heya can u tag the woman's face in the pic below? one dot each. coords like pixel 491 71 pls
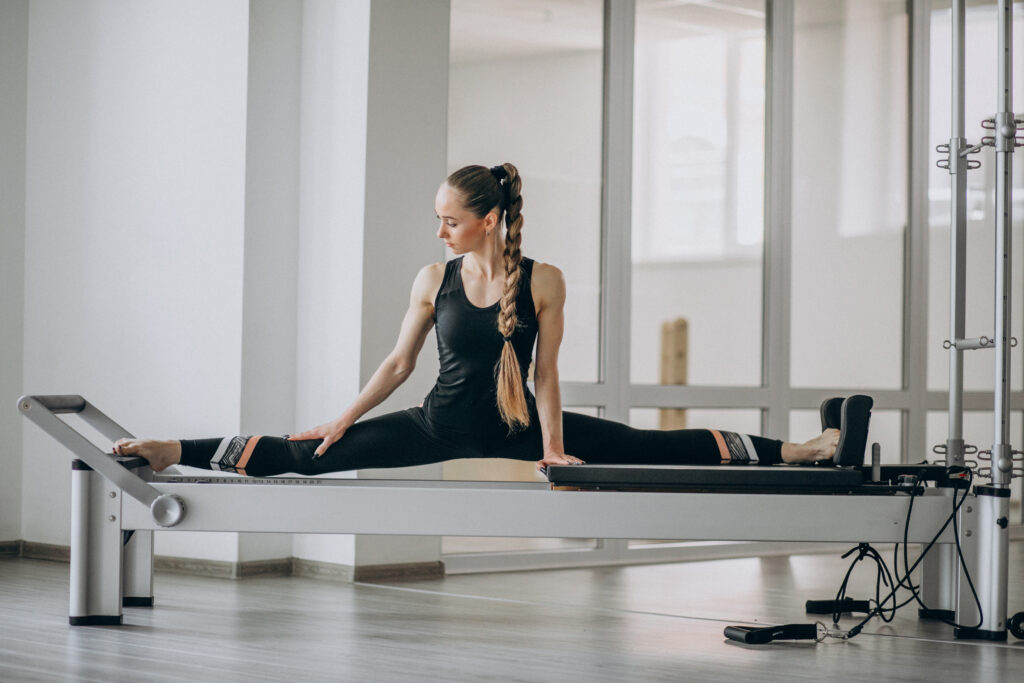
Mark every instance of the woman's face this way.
pixel 459 228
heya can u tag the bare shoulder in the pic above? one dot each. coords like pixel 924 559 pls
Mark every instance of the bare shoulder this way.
pixel 547 285
pixel 427 283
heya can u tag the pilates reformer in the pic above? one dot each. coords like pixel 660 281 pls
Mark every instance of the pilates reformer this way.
pixel 118 502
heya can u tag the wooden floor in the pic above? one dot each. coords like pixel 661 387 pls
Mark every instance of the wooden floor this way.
pixel 643 623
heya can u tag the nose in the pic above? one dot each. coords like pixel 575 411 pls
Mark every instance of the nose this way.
pixel 442 233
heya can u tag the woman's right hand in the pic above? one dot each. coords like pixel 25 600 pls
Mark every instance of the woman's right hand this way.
pixel 330 432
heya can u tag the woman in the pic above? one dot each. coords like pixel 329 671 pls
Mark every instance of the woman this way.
pixel 489 306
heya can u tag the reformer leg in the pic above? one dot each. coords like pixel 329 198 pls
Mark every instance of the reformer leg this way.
pixel 938 582
pixel 137 570
pixel 984 538
pixel 96 548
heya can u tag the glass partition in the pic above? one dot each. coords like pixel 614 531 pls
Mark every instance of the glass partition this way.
pixel 698 190
pixel 849 192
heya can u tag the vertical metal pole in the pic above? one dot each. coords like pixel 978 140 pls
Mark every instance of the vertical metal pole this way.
pixel 1005 132
pixel 616 205
pixel 776 313
pixel 984 519
pixel 957 244
pixel 917 237
pixel 616 221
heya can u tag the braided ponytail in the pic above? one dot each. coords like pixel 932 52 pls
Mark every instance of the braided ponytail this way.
pixel 482 191
pixel 511 398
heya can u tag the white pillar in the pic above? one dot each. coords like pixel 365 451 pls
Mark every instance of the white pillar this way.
pixel 406 158
pixel 334 59
pixel 270 278
pixel 373 123
pixel 13 69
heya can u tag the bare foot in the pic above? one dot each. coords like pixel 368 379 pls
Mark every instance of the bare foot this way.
pixel 821 447
pixel 159 454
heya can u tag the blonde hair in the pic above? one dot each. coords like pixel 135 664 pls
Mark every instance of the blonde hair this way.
pixel 484 190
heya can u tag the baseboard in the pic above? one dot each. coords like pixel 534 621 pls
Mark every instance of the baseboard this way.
pixel 10 548
pixel 312 569
pixel 283 566
pixel 45 551
pixel 217 569
pixel 408 571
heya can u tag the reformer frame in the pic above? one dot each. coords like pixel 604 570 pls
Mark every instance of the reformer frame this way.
pixel 118 502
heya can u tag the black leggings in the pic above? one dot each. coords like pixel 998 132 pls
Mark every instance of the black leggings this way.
pixel 405 438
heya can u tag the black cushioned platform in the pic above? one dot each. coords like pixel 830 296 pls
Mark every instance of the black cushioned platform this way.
pixel 711 477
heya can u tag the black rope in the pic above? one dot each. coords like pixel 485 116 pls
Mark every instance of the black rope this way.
pixel 904 581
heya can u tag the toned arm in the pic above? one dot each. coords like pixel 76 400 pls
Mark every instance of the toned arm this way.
pixel 398 365
pixel 549 298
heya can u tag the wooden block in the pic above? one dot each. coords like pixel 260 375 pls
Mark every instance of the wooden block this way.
pixel 674 362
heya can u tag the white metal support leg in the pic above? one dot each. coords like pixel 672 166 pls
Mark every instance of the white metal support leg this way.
pixel 137 566
pixel 137 570
pixel 96 548
pixel 939 576
pixel 984 519
pixel 938 582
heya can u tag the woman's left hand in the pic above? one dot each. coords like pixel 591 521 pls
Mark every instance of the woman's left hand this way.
pixel 556 458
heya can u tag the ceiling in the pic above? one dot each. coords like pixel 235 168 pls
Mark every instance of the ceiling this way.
pixel 499 29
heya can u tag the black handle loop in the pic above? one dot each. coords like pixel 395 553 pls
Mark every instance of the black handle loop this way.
pixel 759 635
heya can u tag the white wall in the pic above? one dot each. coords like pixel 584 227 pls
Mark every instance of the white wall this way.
pixel 135 171
pixel 13 70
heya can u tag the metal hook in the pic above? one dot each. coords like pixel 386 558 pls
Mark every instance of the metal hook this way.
pixel 826 632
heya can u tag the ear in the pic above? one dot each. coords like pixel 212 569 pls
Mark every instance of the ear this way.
pixel 491 220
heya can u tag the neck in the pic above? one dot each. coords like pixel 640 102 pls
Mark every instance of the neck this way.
pixel 489 257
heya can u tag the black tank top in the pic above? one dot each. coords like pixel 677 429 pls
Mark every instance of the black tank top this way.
pixel 463 402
